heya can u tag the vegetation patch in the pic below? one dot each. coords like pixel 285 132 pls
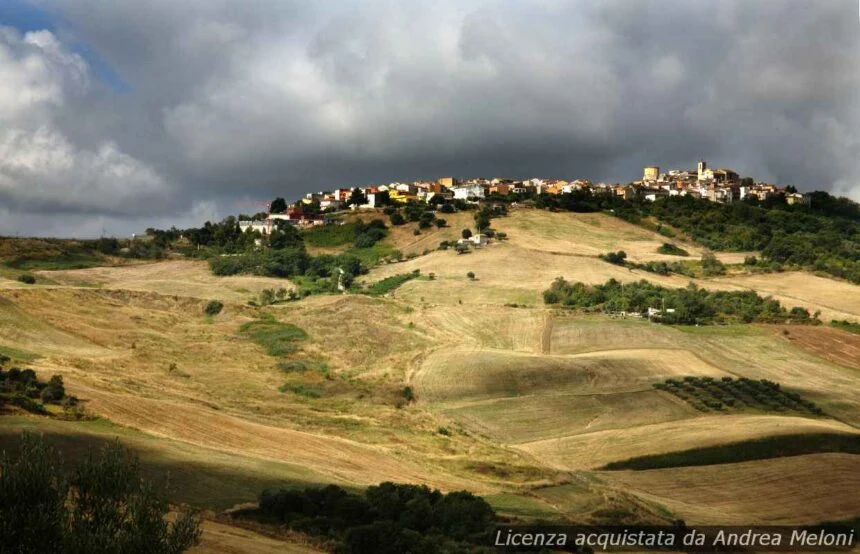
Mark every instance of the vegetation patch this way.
pixel 672 250
pixel 102 505
pixel 278 338
pixel 388 284
pixel 744 451
pixel 362 235
pixel 690 305
pixel 385 518
pixel 213 307
pixel 845 325
pixel 302 390
pixel 728 395
pixel 22 388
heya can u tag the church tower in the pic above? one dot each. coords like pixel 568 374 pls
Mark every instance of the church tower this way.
pixel 702 167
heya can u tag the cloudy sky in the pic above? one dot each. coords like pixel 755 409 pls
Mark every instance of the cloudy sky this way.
pixel 116 116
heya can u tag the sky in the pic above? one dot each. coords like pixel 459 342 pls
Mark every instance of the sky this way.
pixel 118 116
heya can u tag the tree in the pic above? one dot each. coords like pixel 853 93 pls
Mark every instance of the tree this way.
pixel 471 275
pixel 397 219
pixel 278 206
pixel 466 234
pixel 482 220
pixel 213 307
pixel 357 198
pixel 104 506
pixel 440 223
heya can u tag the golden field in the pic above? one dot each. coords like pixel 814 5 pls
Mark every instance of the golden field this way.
pixel 532 400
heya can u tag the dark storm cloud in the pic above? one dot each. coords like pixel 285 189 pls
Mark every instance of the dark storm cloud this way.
pixel 226 103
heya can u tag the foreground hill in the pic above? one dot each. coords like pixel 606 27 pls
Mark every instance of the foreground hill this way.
pixel 507 398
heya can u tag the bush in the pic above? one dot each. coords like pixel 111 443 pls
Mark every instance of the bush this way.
pixel 397 219
pixel 672 250
pixel 26 278
pixel 471 275
pixel 466 233
pixel 617 258
pixel 213 307
pixel 112 508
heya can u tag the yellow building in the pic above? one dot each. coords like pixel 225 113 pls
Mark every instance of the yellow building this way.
pixel 651 173
pixel 446 181
pixel 401 197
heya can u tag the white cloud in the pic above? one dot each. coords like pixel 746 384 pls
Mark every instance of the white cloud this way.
pixel 40 167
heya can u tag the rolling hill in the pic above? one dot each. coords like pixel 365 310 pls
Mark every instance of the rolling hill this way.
pixel 509 398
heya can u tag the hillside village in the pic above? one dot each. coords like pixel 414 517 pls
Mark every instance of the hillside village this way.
pixel 716 185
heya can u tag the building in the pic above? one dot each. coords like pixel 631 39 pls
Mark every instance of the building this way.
pixel 651 173
pixel 448 182
pixel 464 193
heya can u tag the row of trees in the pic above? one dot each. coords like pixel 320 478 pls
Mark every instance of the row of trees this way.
pixel 388 518
pixel 691 305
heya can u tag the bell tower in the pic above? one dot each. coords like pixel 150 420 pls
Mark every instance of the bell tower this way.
pixel 702 167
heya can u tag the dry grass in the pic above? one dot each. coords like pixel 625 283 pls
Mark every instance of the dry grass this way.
pixel 797 490
pixel 584 450
pixel 186 278
pixel 835 299
pixel 228 539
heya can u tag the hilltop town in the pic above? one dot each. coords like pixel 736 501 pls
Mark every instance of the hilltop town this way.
pixel 716 185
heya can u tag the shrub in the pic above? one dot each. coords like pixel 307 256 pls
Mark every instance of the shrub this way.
pixel 471 275
pixel 466 233
pixel 672 250
pixel 213 307
pixel 27 278
pixel 112 508
pixel 617 258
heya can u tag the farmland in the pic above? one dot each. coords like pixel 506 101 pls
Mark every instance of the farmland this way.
pixel 509 398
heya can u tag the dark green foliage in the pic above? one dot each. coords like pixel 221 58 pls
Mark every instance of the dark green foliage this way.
pixel 102 506
pixel 408 394
pixel 850 326
pixel 466 233
pixel 21 388
pixel 397 218
pixel 617 258
pixel 329 236
pixel 276 337
pixel 756 449
pixel 356 198
pixel 302 390
pixel 824 236
pixel 711 266
pixel 471 275
pixel 27 278
pixel 729 395
pixel 213 307
pixel 388 284
pixel 278 206
pixel 672 250
pixel 385 518
pixel 691 304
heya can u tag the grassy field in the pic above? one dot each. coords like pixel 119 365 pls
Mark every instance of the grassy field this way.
pixel 759 449
pixel 781 491
pixel 531 400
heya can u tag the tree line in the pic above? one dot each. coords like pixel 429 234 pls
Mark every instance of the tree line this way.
pixel 387 518
pixel 686 305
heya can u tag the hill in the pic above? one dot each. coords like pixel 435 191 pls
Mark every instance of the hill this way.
pixel 452 381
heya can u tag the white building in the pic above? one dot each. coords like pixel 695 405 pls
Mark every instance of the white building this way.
pixel 464 193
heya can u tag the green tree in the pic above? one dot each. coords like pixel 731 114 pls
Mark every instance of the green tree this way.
pixel 278 206
pixel 466 234
pixel 357 198
pixel 105 506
